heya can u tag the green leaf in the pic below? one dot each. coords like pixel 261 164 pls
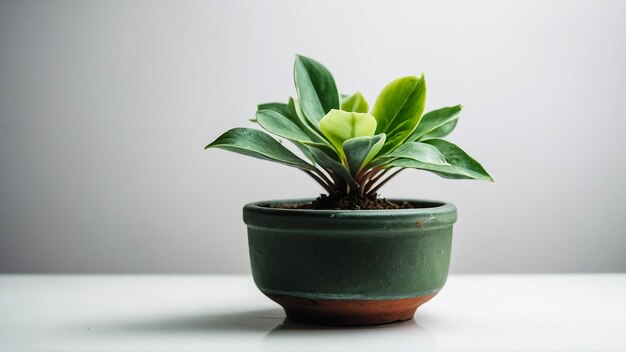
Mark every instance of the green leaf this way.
pixel 316 89
pixel 339 169
pixel 339 126
pixel 459 164
pixel 320 142
pixel 360 151
pixel 305 150
pixel 355 103
pixel 258 144
pixel 437 123
pixel 422 152
pixel 280 125
pixel 298 118
pixel 457 157
pixel 280 108
pixel 441 131
pixel 398 109
pixel 285 127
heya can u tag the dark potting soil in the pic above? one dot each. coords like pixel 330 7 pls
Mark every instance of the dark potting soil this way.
pixel 349 202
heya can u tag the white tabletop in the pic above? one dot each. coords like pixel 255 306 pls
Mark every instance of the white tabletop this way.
pixel 227 313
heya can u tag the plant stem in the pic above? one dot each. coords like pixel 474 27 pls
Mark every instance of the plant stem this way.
pixel 379 173
pixel 325 178
pixel 377 187
pixel 363 178
pixel 339 185
pixel 319 180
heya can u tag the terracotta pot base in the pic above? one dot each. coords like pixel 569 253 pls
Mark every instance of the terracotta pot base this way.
pixel 349 312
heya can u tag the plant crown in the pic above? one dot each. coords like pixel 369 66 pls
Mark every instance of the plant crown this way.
pixel 349 148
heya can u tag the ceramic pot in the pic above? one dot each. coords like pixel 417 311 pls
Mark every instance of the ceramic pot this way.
pixel 350 267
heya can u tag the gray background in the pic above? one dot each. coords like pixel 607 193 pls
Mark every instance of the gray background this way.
pixel 105 107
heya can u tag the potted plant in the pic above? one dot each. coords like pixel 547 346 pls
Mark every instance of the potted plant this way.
pixel 350 257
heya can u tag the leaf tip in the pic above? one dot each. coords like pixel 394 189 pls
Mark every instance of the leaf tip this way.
pixel 300 58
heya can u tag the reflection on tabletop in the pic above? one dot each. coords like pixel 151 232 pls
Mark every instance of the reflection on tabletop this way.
pixel 275 332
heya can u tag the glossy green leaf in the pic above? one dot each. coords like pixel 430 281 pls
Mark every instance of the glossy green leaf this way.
pixel 280 108
pixel 339 126
pixel 398 109
pixel 441 131
pixel 328 149
pixel 306 150
pixel 280 125
pixel 336 167
pixel 437 123
pixel 258 144
pixel 459 164
pixel 316 89
pixel 312 131
pixel 356 102
pixel 422 152
pixel 320 142
pixel 360 151
pixel 457 157
pixel 287 127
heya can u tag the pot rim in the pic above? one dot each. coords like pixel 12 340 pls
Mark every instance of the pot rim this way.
pixel 428 206
pixel 431 207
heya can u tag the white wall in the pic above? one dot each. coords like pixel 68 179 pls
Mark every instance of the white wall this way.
pixel 105 108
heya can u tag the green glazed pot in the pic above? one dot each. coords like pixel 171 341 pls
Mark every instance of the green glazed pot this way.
pixel 350 267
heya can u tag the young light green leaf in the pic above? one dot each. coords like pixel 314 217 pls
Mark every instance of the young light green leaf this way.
pixel 360 151
pixel 436 123
pixel 355 103
pixel 339 126
pixel 316 89
pixel 258 144
pixel 280 125
pixel 422 152
pixel 336 167
pixel 398 109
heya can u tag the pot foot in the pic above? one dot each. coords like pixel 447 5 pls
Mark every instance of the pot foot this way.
pixel 349 312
